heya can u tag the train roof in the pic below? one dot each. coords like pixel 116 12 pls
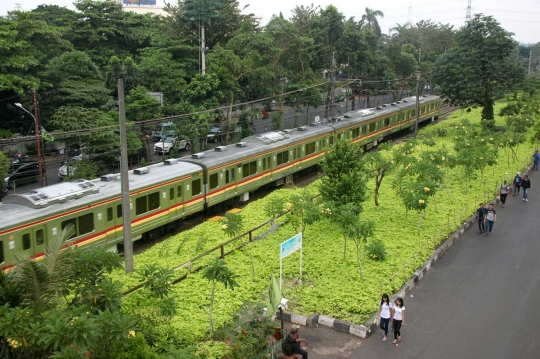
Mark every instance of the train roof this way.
pixel 254 145
pixel 69 195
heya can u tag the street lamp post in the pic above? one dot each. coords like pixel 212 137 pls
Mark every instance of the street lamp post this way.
pixel 37 134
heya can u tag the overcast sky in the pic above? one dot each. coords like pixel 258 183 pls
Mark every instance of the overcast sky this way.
pixel 522 17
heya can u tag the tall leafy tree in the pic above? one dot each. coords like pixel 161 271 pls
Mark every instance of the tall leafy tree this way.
pixel 481 66
pixel 344 180
pixel 76 81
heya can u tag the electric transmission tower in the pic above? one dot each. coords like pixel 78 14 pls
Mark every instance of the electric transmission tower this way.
pixel 18 6
pixel 468 16
pixel 409 17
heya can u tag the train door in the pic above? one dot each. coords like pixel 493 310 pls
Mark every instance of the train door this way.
pixel 113 221
pixel 39 240
pixel 231 176
pixel 178 201
pixel 24 246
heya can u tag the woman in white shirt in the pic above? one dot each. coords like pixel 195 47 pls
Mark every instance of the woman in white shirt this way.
pixel 385 314
pixel 399 319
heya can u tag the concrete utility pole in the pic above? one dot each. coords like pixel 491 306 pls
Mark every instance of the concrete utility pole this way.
pixel 203 51
pixel 530 61
pixel 38 139
pixel 333 85
pixel 417 94
pixel 126 202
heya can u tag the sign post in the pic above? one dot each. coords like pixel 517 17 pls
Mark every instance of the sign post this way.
pixel 286 248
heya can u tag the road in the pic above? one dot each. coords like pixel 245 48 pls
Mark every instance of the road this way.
pixel 479 301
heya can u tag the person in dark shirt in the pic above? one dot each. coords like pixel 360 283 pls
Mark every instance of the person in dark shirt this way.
pixel 517 182
pixel 480 214
pixel 526 184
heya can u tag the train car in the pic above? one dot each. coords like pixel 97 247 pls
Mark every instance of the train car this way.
pixel 160 195
pixel 163 194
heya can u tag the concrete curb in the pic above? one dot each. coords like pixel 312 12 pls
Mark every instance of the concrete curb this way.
pixel 363 331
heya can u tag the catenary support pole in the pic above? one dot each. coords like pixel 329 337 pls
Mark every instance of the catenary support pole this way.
pixel 417 101
pixel 38 140
pixel 203 51
pixel 126 203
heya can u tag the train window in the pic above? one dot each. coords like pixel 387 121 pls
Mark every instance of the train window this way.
pixel 141 205
pixel 86 224
pixel 310 148
pixel 264 164
pixel 249 169
pixel 213 180
pixel 372 127
pixel 356 132
pixel 227 176
pixel 179 192
pixel 72 223
pixel 171 194
pixel 331 140
pixel 119 211
pixel 232 174
pixel 40 238
pixel 26 241
pixel 282 157
pixel 153 201
pixel 196 187
pixel 1 252
pixel 387 122
pixel 81 225
pixel 109 214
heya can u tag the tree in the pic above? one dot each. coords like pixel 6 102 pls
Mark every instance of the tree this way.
pixel 369 21
pixel 218 272
pixel 140 105
pixel 75 81
pixel 360 231
pixel 379 163
pixel 344 178
pixel 481 66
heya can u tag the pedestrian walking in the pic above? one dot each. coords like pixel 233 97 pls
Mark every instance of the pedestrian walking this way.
pixel 503 192
pixel 480 215
pixel 384 314
pixel 399 319
pixel 526 184
pixel 490 219
pixel 536 159
pixel 517 182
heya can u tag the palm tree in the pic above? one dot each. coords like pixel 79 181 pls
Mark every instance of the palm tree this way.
pixel 398 30
pixel 39 283
pixel 369 21
pixel 218 272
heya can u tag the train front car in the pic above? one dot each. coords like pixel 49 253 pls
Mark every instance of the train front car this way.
pixel 161 195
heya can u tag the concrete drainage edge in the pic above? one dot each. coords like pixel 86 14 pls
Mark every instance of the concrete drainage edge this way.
pixel 361 330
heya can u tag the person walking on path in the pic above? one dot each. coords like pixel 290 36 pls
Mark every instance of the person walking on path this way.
pixel 517 182
pixel 480 215
pixel 399 319
pixel 385 314
pixel 503 192
pixel 490 219
pixel 293 342
pixel 536 159
pixel 526 184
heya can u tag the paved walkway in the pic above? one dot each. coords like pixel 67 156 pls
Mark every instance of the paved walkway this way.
pixel 481 300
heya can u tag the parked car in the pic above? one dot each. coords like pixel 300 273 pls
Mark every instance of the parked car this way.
pixel 166 145
pixel 215 134
pixel 23 172
pixel 68 167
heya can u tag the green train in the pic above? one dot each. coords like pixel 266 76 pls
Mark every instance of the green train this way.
pixel 161 195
